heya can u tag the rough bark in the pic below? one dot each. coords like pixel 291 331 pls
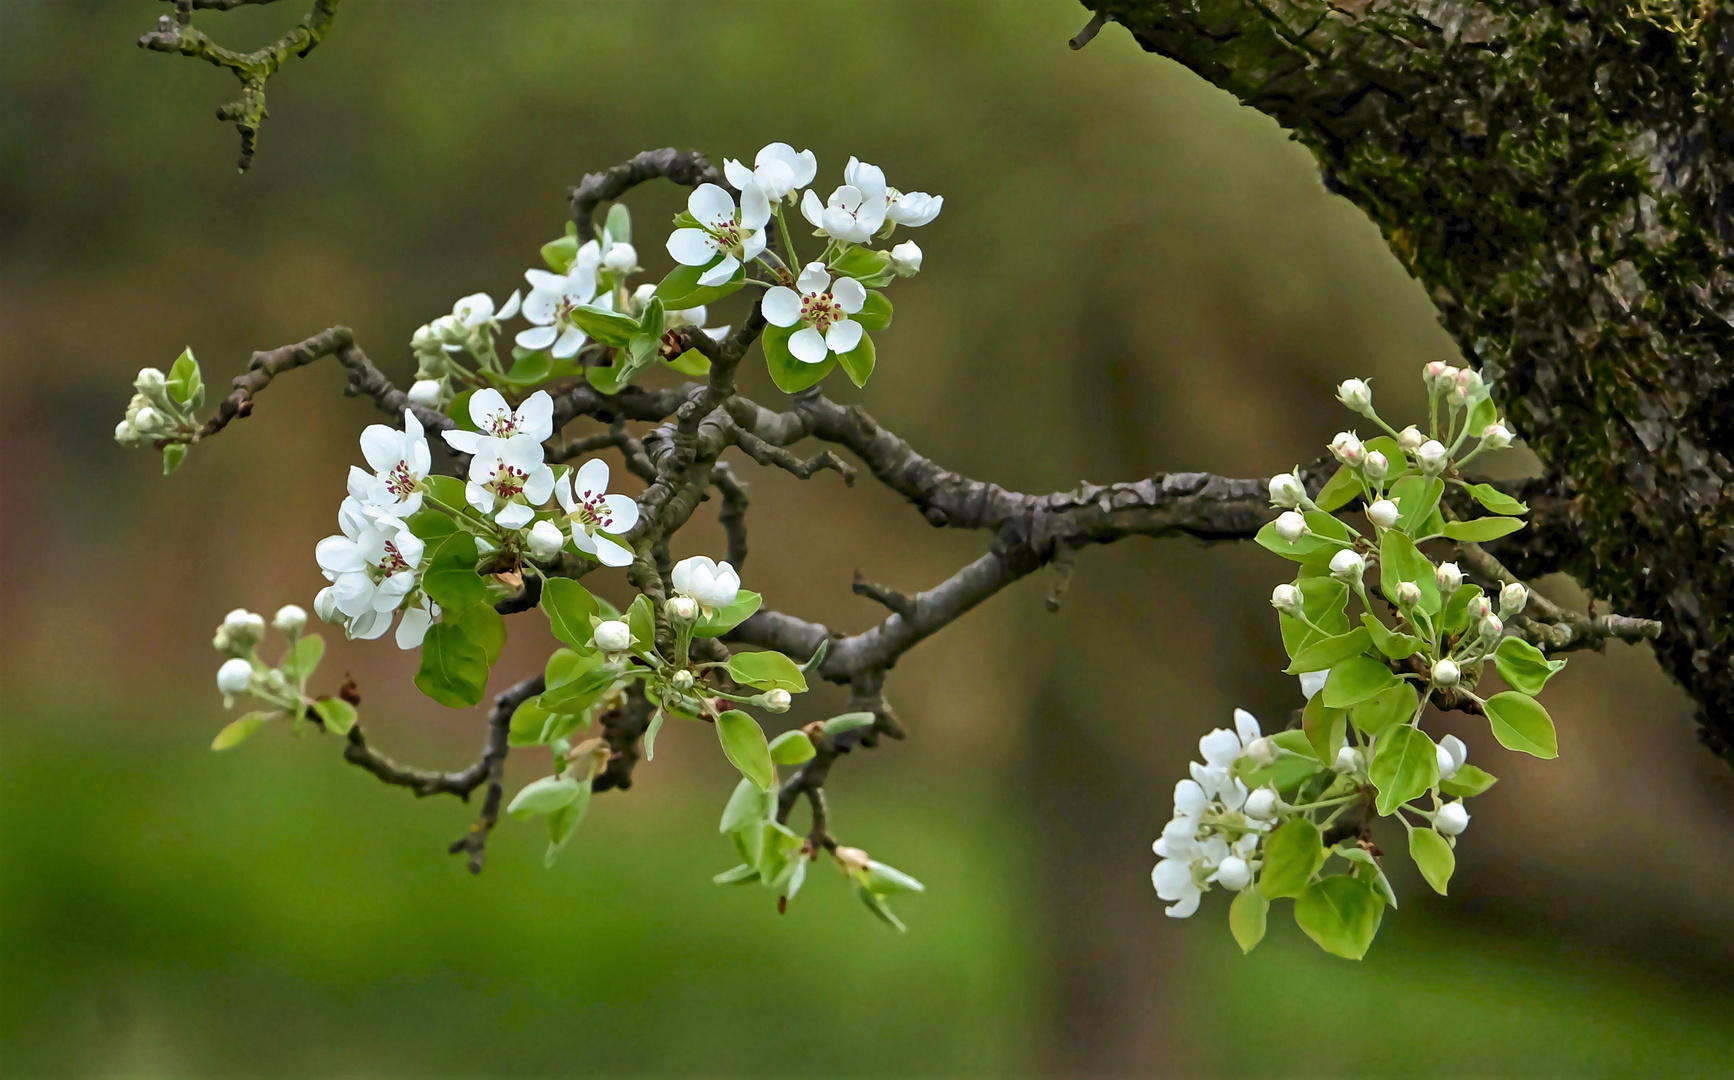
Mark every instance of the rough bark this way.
pixel 1561 178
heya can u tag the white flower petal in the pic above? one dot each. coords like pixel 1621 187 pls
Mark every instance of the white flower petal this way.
pixel 612 554
pixel 1246 726
pixel 1189 799
pixel 843 336
pixel 570 342
pixel 781 306
pixel 712 205
pixel 413 628
pixel 591 479
pixel 536 337
pixel 755 207
pixel 514 516
pixel 511 307
pixel 808 346
pixel 488 409
pixel 814 279
pixel 721 272
pixel 339 554
pixel 812 209
pixel 738 175
pixel 849 294
pixel 691 247
pixel 464 442
pixel 622 513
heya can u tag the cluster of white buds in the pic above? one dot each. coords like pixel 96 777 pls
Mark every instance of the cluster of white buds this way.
pixel 1214 835
pixel 154 413
pixel 240 633
pixel 1349 449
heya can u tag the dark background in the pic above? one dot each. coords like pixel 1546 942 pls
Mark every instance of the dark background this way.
pixel 1131 274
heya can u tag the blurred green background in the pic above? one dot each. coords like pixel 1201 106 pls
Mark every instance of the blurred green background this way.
pixel 1132 274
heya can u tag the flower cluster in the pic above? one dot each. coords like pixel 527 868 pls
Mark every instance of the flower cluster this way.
pixel 1264 815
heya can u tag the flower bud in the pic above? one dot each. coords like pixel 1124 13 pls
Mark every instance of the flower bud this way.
pixel 1479 608
pixel 425 392
pixel 1350 760
pixel 1383 513
pixel 425 339
pixel 906 259
pixel 681 680
pixel 245 629
pixel 127 435
pixel 290 620
pixel 1356 395
pixel 1408 594
pixel 1433 456
pixel 1445 673
pixel 545 541
pixel 1261 750
pixel 450 330
pixel 1262 804
pixel 1512 599
pixel 150 422
pixel 1451 819
pixel 1233 874
pixel 1285 598
pixel 1286 490
pixel 621 259
pixel 1433 372
pixel 681 608
pixel 151 381
pixel 1466 387
pixel 1348 566
pixel 1410 438
pixel 1291 526
pixel 1496 436
pixel 1348 449
pixel 613 636
pixel 1491 630
pixel 234 675
pixel 325 605
pixel 852 860
pixel 778 700
pixel 1376 465
pixel 1448 577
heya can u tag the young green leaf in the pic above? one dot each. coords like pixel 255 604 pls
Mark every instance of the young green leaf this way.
pixel 1389 642
pixel 451 580
pixel 641 620
pixel 792 748
pixel 1520 723
pixel 650 734
pixel 740 875
pixel 568 606
pixel 791 375
pixel 173 455
pixel 239 731
pixel 1323 600
pixel 303 658
pixel 1326 652
pixel 743 741
pixel 1393 705
pixel 875 314
pixel 618 224
pixel 1482 529
pixel 1355 680
pixel 1292 855
pixel 1341 914
pixel 1325 728
pixel 1495 500
pixel 1343 488
pixel 858 362
pixel 338 715
pixel 605 326
pixel 1247 917
pixel 1433 856
pixel 747 804
pixel 529 721
pixel 186 384
pixel 848 721
pixel 1416 497
pixel 1468 781
pixel 563 822
pixel 1405 765
pixel 767 671
pixel 1399 561
pixel 680 289
pixel 886 880
pixel 876 904
pixel 543 796
pixel 1455 618
pixel 722 620
pixel 560 254
pixel 431 525
pixel 1523 666
pixel 484 626
pixel 454 669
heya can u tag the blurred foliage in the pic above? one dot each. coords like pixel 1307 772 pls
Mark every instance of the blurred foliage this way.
pixel 1171 288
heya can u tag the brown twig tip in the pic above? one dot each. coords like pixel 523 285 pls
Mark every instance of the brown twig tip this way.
pixel 889 597
pixel 1088 33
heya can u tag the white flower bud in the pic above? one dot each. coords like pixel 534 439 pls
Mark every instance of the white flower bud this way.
pixel 245 629
pixel 1233 874
pixel 1291 526
pixel 1376 465
pixel 622 258
pixel 681 608
pixel 1410 438
pixel 1445 673
pixel 1348 449
pixel 425 392
pixel 613 636
pixel 1383 513
pixel 641 296
pixel 1433 456
pixel 778 700
pixel 1479 608
pixel 1512 599
pixel 1261 750
pixel 1348 566
pixel 234 675
pixel 1491 629
pixel 151 381
pixel 1285 598
pixel 425 339
pixel 126 434
pixel 149 422
pixel 1350 760
pixel 1467 387
pixel 1451 819
pixel 1286 490
pixel 290 620
pixel 545 541
pixel 450 329
pixel 906 259
pixel 325 605
pixel 1262 804
pixel 1355 394
pixel 1433 372
pixel 1408 594
pixel 1496 436
pixel 681 680
pixel 1448 577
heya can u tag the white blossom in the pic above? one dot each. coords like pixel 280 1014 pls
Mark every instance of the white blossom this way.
pixel 914 208
pixel 1233 874
pixel 1434 371
pixel 681 608
pixel 552 300
pixel 1350 760
pixel 613 636
pixel 724 235
pixel 425 392
pixel 477 310
pixel 778 700
pixel 1313 681
pixel 855 211
pixel 412 628
pixel 1479 608
pixel 1496 436
pixel 400 461
pixel 545 539
pixel 621 259
pixel 1445 673
pixel 822 309
pixel 371 567
pixel 1383 513
pixel 906 259
pixel 713 585
pixel 1452 755
pixel 777 170
pixel 1194 853
pixel 1285 598
pixel 1408 594
pixel 1291 525
pixel 591 512
pixel 1452 819
pixel 244 628
pixel 1376 465
pixel 234 676
pixel 508 478
pixel 325 605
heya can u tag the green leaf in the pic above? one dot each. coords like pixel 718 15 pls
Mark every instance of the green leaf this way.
pixel 641 620
pixel 848 721
pixel 1483 412
pixel 876 904
pixel 588 688
pixel 1327 652
pixel 566 666
pixel 791 375
pixel 654 320
pixel 605 379
pixel 778 846
pixel 1375 879
pixel 740 875
pixel 1394 454
pixel 338 715
pixel 1340 490
pixel 529 721
pixel 858 362
pixel 1247 917
pixel 484 626
pixel 562 823
pixel 1482 529
pixel 1399 561
pixel 303 657
pixel 1393 705
pixel 605 326
pixel 743 741
pixel 1455 618
pixel 561 254
pixel 767 671
pixel 1304 550
pixel 458 409
pixel 454 669
pixel 680 289
pixel 1523 666
pixel 236 732
pixel 186 383
pixel 431 525
pixel 451 580
pixel 1433 857
pixel 886 880
pixel 1389 642
pixel 792 748
pixel 1417 497
pixel 1495 500
pixel 1323 600
pixel 543 796
pixel 1520 723
pixel 1292 855
pixel 860 262
pixel 536 367
pixel 691 362
pixel 618 224
pixel 1469 781
pixel 650 734
pixel 569 606
pixel 748 804
pixel 875 314
pixel 1405 766
pixel 1325 728
pixel 722 620
pixel 173 455
pixel 637 357
pixel 1341 914
pixel 1355 680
